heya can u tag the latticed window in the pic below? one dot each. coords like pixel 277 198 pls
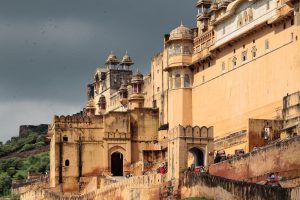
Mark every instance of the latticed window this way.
pixel 177 49
pixel 244 56
pixel 234 62
pixel 254 50
pixel 223 67
pixel 187 82
pixel 177 81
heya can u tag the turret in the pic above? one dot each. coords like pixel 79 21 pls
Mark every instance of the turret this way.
pixel 203 14
pixel 126 62
pixel 137 97
pixel 180 50
pixel 112 61
pixel 90 108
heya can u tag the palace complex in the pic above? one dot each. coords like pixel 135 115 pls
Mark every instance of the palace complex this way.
pixel 230 84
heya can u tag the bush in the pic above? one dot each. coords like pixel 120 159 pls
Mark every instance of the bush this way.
pixel 27 147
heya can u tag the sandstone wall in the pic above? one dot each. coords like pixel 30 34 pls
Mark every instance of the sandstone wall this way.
pixel 212 187
pixel 282 157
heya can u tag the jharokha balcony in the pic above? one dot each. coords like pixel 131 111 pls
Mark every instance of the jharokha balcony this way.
pixel 203 44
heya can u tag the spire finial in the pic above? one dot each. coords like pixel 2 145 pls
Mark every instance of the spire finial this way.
pixel 181 24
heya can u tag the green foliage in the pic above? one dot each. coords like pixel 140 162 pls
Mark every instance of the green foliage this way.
pixel 17 169
pixel 5 183
pixel 31 141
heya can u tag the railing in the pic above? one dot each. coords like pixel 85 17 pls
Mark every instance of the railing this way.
pixel 204 41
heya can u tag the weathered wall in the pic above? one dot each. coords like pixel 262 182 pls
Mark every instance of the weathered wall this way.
pixel 282 157
pixel 256 131
pixel 212 187
pixel 226 99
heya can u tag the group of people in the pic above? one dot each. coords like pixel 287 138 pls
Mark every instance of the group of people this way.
pixel 221 155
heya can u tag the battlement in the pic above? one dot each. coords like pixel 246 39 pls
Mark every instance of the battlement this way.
pixel 191 132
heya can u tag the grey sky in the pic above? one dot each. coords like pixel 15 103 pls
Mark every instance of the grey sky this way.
pixel 49 50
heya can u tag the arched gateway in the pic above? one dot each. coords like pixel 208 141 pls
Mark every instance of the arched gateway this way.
pixel 117 164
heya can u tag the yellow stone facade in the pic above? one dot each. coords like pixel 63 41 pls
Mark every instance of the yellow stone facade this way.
pixel 216 86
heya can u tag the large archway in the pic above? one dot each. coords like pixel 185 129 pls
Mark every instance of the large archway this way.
pixel 117 164
pixel 195 157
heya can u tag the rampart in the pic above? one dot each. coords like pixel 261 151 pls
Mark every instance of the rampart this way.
pixel 139 187
pixel 213 187
pixel 282 157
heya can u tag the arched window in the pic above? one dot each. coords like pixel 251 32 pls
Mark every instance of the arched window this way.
pixel 234 62
pixel 177 49
pixel 187 82
pixel 171 50
pixel 65 138
pixel 250 14
pixel 177 81
pixel 254 52
pixel 67 163
pixel 187 50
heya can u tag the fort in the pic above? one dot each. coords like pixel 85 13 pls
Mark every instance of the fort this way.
pixel 230 84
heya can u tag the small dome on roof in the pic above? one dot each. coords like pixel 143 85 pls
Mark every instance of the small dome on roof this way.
pixel 127 60
pixel 137 77
pixel 181 32
pixel 90 104
pixel 112 59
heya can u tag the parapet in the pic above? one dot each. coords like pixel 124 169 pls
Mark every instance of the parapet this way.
pixel 191 132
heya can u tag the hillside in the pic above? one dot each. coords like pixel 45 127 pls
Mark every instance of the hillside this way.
pixel 27 152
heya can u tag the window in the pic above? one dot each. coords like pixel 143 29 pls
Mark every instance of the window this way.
pixel 224 31
pixel 244 56
pixel 177 81
pixel 187 80
pixel 203 79
pixel 268 5
pixel 157 89
pixel 267 45
pixel 187 50
pixel 254 52
pixel 154 104
pixel 67 163
pixel 65 138
pixel 223 67
pixel 177 49
pixel 234 62
pixel 250 14
pixel 292 37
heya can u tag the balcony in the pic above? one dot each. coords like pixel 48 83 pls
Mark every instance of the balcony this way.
pixel 179 61
pixel 202 45
pixel 203 15
pixel 203 2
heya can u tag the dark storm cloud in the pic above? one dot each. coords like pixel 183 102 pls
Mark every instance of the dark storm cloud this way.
pixel 49 49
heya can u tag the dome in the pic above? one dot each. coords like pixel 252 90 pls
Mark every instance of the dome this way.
pixel 90 104
pixel 181 32
pixel 112 59
pixel 138 77
pixel 127 60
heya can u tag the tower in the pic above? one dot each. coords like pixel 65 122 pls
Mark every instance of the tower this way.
pixel 203 15
pixel 137 98
pixel 179 46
